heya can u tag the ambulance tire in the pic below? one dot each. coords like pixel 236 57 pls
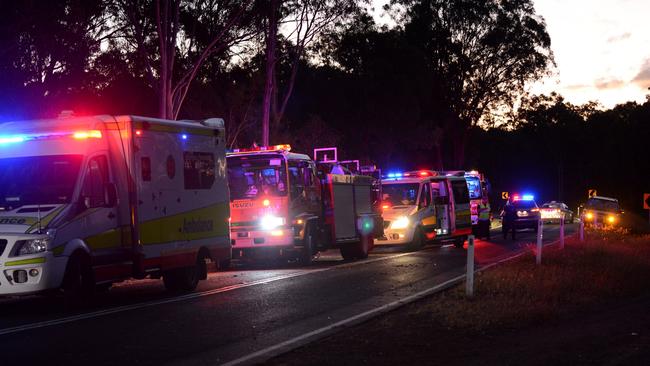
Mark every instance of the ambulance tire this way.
pixel 184 279
pixel 418 240
pixel 78 280
pixel 307 252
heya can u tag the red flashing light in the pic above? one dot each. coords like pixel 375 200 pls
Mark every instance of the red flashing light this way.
pixel 516 198
pixel 424 174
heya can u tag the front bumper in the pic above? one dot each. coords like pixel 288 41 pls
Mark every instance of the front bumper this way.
pixel 247 239
pixel 396 237
pixel 50 273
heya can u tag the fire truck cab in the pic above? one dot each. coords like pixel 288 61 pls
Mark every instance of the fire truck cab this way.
pixel 422 206
pixel 283 207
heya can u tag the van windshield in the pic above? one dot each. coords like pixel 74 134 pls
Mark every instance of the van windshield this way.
pixel 252 177
pixel 400 194
pixel 602 205
pixel 38 180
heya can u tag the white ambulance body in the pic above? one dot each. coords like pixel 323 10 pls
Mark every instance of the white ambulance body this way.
pixel 423 206
pixel 87 201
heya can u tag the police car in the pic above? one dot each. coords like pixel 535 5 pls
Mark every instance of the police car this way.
pixel 521 212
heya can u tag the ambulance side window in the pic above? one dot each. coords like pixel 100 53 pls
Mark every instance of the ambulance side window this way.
pixel 95 182
pixel 198 170
pixel 425 196
pixel 461 193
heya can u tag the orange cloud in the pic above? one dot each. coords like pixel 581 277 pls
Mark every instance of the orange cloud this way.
pixel 642 79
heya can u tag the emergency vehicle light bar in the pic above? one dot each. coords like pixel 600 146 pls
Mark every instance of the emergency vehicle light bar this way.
pixel 281 147
pixel 77 135
pixel 525 197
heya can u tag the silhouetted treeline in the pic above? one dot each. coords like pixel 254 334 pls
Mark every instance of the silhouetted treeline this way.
pixel 418 95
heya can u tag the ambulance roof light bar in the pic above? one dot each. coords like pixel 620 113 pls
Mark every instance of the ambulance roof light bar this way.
pixel 281 147
pixel 77 135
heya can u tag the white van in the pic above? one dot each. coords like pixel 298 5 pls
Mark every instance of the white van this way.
pixel 88 201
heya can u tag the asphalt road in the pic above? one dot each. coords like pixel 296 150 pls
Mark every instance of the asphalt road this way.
pixel 239 316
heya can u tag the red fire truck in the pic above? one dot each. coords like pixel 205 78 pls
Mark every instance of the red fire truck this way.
pixel 286 206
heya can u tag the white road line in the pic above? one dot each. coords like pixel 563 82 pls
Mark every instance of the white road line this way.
pixel 94 314
pixel 346 322
pixel 305 338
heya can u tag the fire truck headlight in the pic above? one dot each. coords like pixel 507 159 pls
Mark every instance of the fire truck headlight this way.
pixel 33 246
pixel 611 219
pixel 270 222
pixel 402 222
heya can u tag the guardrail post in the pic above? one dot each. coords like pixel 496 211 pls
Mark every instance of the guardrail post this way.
pixel 562 230
pixel 582 230
pixel 469 278
pixel 540 235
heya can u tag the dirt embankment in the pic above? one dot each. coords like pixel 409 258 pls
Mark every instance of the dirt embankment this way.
pixel 588 304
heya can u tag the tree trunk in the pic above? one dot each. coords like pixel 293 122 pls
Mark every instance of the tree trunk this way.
pixel 271 39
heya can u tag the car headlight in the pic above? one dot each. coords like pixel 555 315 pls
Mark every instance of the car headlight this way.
pixel 522 213
pixel 611 219
pixel 270 222
pixel 401 223
pixel 33 246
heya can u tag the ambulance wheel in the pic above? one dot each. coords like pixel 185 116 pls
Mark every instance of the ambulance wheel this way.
pixel 184 279
pixel 78 280
pixel 418 241
pixel 307 253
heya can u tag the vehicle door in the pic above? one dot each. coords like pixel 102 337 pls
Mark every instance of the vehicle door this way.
pixel 441 201
pixel 97 207
pixel 461 206
pixel 426 211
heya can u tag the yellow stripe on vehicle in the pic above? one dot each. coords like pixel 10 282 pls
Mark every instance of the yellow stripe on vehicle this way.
pixel 202 223
pixel 45 220
pixel 26 261
pixel 112 238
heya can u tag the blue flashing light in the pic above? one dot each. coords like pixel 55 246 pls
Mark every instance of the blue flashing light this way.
pixel 395 175
pixel 11 139
pixel 184 136
pixel 527 197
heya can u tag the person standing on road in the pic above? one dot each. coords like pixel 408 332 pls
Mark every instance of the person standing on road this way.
pixel 484 219
pixel 509 215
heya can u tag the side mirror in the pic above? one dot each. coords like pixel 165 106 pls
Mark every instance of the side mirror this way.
pixel 110 195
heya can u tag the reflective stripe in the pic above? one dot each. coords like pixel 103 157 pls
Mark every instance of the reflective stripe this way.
pixel 26 261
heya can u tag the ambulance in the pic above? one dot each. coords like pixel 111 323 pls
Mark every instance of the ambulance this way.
pixel 478 189
pixel 285 206
pixel 423 206
pixel 89 201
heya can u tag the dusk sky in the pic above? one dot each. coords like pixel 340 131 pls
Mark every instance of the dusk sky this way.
pixel 601 47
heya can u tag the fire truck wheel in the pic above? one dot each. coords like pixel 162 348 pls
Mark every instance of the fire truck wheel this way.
pixel 184 279
pixel 307 253
pixel 78 279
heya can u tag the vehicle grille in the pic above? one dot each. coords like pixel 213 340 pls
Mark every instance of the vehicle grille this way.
pixel 3 245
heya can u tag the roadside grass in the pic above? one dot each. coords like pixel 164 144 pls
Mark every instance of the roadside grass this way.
pixel 608 266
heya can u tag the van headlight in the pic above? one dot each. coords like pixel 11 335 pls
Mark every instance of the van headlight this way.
pixel 270 222
pixel 32 246
pixel 402 222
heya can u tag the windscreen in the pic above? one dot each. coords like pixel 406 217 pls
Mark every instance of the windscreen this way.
pixel 400 194
pixel 602 205
pixel 253 177
pixel 38 180
pixel 474 187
